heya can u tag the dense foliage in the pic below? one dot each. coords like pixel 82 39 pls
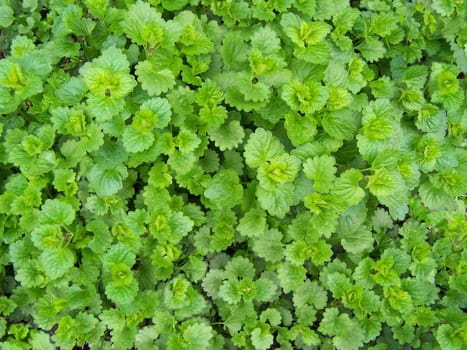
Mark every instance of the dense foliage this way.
pixel 207 175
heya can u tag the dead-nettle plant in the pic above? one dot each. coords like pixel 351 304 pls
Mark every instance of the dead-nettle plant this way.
pixel 208 175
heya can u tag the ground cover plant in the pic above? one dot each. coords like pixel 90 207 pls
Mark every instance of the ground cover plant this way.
pixel 204 175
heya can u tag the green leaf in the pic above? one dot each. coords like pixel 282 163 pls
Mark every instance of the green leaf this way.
pixel 307 7
pixel 57 262
pixel 121 293
pixel 107 181
pixel 135 141
pixel 321 252
pixel 430 119
pixel 234 50
pixel 326 10
pixel 224 190
pixel 310 293
pixel 346 187
pixel 297 252
pixel 291 24
pixel 227 136
pixel 102 238
pixel 449 338
pixel 339 98
pixel 6 16
pixel 265 289
pixel 428 151
pixel 108 75
pixel 278 201
pixel 273 316
pixel 306 97
pixel 118 254
pixel 55 211
pixel 300 129
pixel 269 246
pixel 383 182
pixel 253 223
pixel 444 86
pixel 341 124
pixel 322 171
pixel 120 287
pixel 262 146
pixel 372 49
pixel 450 181
pixel 415 76
pixel 443 7
pixel 281 170
pixel 144 25
pixel 347 334
pixel 180 226
pixel 198 336
pixel 357 241
pixel 41 341
pixel 187 141
pixel 261 339
pixel 434 198
pixel 399 299
pixel 155 81
pixel 290 276
pixel 146 338
pixel 383 24
pixel 161 113
pixel 174 5
pixel 381 220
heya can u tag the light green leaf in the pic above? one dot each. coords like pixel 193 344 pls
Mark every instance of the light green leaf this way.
pixel 341 124
pixel 57 262
pixel 269 246
pixel 261 339
pixel 161 109
pixel 372 49
pixel 107 182
pixel 306 97
pixel 144 25
pixel 253 223
pixel 278 201
pixel 155 81
pixel 321 252
pixel 383 182
pixel 449 338
pixel 291 277
pixel 262 146
pixel 300 129
pixel 55 211
pixel 444 7
pixel 121 293
pixel 198 336
pixel 6 16
pixel 180 226
pixel 347 332
pixel 135 141
pixel 357 241
pixel 224 189
pixel 283 169
pixel 346 187
pixel 227 136
pixel 325 9
pixel 41 341
pixel 265 289
pixel 383 24
pixel 322 171
pixel 187 141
